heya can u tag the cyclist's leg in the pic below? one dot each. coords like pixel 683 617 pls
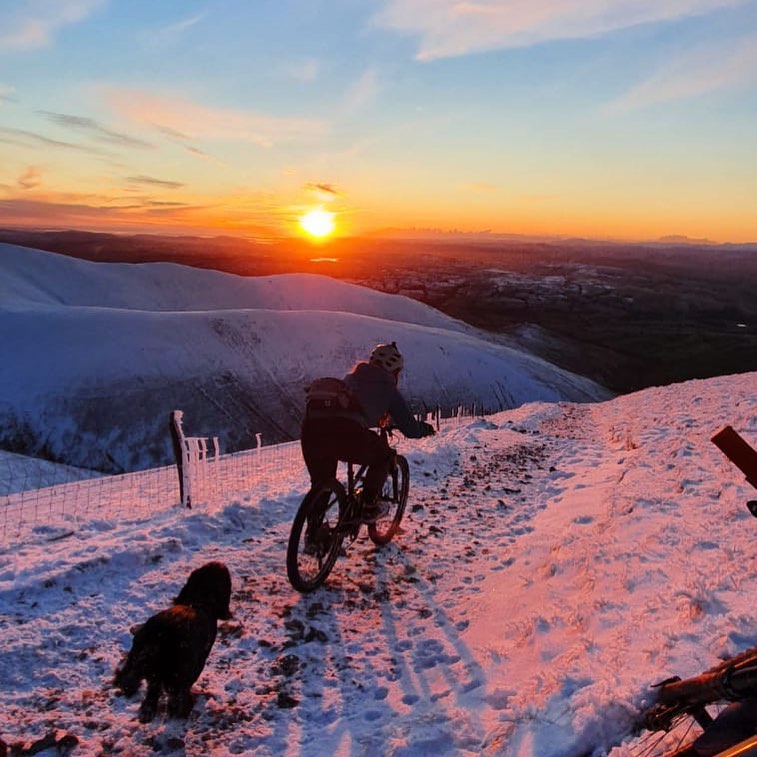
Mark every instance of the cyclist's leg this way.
pixel 320 450
pixel 321 462
pixel 379 460
pixel 325 441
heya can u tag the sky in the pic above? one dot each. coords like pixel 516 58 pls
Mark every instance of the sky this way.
pixel 631 119
pixel 555 561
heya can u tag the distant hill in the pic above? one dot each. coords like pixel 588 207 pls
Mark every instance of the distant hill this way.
pixel 94 356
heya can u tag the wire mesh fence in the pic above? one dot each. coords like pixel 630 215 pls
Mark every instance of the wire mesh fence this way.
pixel 56 510
pixel 40 501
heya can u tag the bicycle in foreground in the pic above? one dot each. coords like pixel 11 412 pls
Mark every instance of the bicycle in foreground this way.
pixel 710 715
pixel 330 514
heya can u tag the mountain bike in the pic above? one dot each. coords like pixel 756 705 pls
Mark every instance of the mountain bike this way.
pixel 330 514
pixel 721 703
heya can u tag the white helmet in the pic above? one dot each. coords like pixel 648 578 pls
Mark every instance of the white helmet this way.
pixel 388 357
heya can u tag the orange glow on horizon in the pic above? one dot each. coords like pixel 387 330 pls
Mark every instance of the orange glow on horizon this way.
pixel 270 218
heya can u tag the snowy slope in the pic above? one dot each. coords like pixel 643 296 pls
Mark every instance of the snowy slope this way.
pixel 555 561
pixel 94 356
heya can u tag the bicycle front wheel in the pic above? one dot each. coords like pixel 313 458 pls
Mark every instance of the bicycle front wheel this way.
pixel 315 538
pixel 391 501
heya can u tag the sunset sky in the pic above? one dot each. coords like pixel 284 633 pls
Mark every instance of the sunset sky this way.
pixel 623 119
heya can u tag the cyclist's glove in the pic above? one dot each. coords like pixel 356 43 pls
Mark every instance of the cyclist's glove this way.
pixel 428 429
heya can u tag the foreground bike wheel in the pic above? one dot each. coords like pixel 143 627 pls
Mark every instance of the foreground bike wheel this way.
pixel 722 702
pixel 391 500
pixel 315 539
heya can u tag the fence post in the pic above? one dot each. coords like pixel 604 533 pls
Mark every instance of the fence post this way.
pixel 178 440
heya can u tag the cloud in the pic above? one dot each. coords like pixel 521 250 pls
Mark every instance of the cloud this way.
pixel 21 136
pixel 449 28
pixel 171 32
pixel 196 151
pixel 32 24
pixel 322 192
pixel 93 129
pixel 93 212
pixel 696 73
pixel 363 91
pixel 305 70
pixel 6 93
pixel 155 182
pixel 30 178
pixel 196 121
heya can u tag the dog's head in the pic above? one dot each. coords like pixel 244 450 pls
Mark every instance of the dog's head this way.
pixel 208 587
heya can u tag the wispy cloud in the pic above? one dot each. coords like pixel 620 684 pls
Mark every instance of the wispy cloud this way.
pixel 303 70
pixel 171 32
pixel 6 92
pixel 150 181
pixel 23 136
pixel 197 121
pixel 95 130
pixel 322 192
pixel 196 151
pixel 30 24
pixel 457 27
pixel 30 178
pixel 363 91
pixel 117 214
pixel 696 73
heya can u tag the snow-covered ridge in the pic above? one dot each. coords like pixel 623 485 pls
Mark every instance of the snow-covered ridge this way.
pixel 94 356
pixel 37 278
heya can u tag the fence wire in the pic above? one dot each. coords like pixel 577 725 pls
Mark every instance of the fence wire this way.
pixel 40 501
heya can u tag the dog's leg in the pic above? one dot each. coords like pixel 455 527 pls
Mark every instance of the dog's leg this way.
pixel 180 703
pixel 150 703
pixel 127 679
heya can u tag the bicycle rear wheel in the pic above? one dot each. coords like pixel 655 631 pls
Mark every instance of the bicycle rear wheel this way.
pixel 315 538
pixel 391 501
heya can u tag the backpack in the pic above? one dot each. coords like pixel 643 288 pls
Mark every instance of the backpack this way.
pixel 329 393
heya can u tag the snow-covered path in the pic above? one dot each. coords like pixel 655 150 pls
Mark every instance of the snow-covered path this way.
pixel 555 560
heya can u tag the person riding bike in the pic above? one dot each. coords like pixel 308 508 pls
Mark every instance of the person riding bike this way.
pixel 331 434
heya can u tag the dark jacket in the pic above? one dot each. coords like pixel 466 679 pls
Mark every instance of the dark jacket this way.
pixel 376 393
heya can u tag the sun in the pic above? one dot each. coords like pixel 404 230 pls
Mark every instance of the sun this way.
pixel 318 223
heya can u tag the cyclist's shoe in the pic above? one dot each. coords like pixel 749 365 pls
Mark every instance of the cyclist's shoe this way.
pixel 316 540
pixel 311 545
pixel 373 509
pixel 368 507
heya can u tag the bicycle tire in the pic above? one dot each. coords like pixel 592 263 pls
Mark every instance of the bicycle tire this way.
pixel 323 506
pixel 392 498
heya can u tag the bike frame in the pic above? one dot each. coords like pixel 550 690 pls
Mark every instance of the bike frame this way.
pixel 353 476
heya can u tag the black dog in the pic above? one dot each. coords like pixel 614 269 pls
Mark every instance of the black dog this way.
pixel 169 651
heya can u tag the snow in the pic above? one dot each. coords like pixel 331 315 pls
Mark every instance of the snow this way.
pixel 555 560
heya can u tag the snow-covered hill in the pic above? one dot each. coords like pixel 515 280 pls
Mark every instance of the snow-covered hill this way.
pixel 555 561
pixel 94 356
